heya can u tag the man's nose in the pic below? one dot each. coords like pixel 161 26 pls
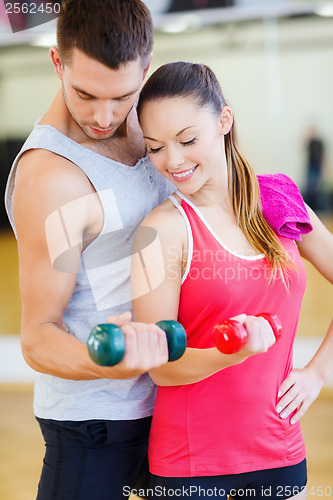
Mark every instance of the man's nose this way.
pixel 104 114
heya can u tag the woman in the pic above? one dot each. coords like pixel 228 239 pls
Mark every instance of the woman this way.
pixel 222 424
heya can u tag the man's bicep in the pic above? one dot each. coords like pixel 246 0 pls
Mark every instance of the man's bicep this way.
pixel 45 289
pixel 49 252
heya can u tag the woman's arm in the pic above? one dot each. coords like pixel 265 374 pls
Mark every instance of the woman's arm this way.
pixel 302 386
pixel 156 283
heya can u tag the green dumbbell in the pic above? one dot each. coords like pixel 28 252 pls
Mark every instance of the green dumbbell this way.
pixel 106 342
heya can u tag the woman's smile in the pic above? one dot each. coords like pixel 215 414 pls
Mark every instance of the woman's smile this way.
pixel 184 175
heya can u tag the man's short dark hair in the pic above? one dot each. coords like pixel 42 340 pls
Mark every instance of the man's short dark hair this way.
pixel 113 32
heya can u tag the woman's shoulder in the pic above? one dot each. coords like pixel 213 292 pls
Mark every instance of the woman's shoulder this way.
pixel 165 218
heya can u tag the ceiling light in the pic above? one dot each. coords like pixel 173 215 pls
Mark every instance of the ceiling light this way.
pixel 183 23
pixel 325 10
pixel 45 40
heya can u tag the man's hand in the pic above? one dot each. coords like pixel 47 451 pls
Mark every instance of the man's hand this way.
pixel 146 344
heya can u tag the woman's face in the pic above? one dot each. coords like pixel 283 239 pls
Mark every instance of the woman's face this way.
pixel 185 142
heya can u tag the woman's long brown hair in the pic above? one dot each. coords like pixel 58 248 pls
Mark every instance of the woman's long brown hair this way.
pixel 184 79
pixel 244 194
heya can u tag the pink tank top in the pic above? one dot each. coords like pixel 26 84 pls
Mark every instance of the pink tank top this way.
pixel 227 423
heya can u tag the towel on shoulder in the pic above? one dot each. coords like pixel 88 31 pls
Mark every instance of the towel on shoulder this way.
pixel 283 206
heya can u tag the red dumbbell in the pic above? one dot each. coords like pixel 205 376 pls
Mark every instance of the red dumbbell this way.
pixel 230 335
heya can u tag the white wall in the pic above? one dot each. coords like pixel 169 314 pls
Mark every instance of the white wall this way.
pixel 27 85
pixel 278 78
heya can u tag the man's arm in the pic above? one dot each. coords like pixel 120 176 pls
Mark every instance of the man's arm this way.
pixel 45 183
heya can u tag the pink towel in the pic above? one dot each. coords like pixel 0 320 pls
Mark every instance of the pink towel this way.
pixel 283 206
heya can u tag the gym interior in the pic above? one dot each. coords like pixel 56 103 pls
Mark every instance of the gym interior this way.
pixel 274 60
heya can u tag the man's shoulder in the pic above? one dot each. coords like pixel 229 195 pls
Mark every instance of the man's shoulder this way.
pixel 45 146
pixel 53 191
pixel 42 173
pixel 44 163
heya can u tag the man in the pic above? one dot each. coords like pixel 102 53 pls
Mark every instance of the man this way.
pixel 76 194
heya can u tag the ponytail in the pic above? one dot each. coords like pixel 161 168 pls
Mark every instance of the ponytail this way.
pixel 244 194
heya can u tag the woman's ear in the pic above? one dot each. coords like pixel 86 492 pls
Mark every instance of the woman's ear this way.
pixel 226 120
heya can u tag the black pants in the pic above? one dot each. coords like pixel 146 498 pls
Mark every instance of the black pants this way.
pixel 94 459
pixel 270 484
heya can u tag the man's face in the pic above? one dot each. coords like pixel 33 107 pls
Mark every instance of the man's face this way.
pixel 97 97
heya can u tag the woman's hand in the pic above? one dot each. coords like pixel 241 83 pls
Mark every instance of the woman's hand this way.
pixel 260 336
pixel 298 391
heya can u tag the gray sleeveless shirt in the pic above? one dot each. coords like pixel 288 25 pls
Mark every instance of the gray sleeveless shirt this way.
pixel 127 195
